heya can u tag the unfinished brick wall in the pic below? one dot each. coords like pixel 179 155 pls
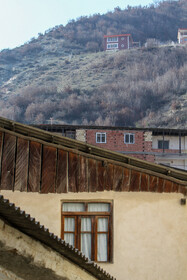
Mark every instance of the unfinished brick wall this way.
pixel 115 142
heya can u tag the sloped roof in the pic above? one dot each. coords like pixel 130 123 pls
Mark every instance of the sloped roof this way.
pixel 29 226
pixel 155 131
pixel 60 141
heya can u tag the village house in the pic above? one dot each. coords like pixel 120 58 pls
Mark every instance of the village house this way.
pixel 160 145
pixel 182 36
pixel 118 42
pixel 125 214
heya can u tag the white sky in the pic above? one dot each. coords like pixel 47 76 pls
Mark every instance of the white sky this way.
pixel 20 20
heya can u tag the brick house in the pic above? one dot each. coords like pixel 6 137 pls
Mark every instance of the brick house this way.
pixel 160 145
pixel 118 42
pixel 182 36
pixel 112 207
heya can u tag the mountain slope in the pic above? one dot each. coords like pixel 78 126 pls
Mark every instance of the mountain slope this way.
pixel 56 77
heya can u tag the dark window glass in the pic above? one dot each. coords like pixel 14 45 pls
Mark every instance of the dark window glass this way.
pixel 163 144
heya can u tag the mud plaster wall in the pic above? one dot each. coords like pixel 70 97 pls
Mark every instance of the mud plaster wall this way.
pixel 150 230
pixel 25 258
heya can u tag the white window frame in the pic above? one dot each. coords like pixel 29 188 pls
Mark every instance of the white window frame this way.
pixel 112 46
pixel 112 39
pixel 129 134
pixel 101 134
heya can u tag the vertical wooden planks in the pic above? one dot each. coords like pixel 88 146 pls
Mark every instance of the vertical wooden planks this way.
pixel 83 180
pixel 101 175
pixel 73 172
pixel 109 177
pixel 175 187
pixel 118 178
pixel 160 185
pixel 48 169
pixel 153 183
pixel 61 180
pixel 8 162
pixel 144 182
pixel 135 181
pixel 21 165
pixel 34 166
pixel 92 175
pixel 126 180
pixel 168 186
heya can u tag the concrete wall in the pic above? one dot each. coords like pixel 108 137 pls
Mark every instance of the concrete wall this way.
pixel 32 260
pixel 173 142
pixel 150 230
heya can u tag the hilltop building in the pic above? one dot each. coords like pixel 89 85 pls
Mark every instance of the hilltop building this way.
pixel 118 42
pixel 182 36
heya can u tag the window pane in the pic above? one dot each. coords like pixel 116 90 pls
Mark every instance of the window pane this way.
pixel 86 244
pixel 73 207
pixel 160 144
pixel 69 238
pixel 69 224
pixel 102 224
pixel 131 138
pixel 98 207
pixel 86 224
pixel 102 247
pixel 103 138
pixel 126 138
pixel 98 138
pixel 166 144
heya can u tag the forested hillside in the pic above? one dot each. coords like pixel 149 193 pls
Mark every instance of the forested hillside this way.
pixel 65 74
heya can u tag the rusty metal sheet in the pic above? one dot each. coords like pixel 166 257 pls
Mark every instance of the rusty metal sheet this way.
pixel 160 185
pixel 8 162
pixel 101 171
pixel 118 178
pixel 21 165
pixel 126 180
pixel 34 166
pixel 83 178
pixel 144 182
pixel 153 183
pixel 135 181
pixel 61 180
pixel 168 186
pixel 73 172
pixel 92 175
pixel 48 169
pixel 109 177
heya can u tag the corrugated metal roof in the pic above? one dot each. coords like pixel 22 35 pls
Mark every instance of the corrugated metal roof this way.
pixel 29 226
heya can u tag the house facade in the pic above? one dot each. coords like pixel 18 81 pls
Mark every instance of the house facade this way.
pixel 118 42
pixel 182 36
pixel 124 214
pixel 159 145
pixel 29 251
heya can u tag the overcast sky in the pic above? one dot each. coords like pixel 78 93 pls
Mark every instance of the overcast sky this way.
pixel 20 20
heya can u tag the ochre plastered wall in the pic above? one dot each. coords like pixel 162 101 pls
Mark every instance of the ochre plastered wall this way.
pixel 41 255
pixel 150 230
